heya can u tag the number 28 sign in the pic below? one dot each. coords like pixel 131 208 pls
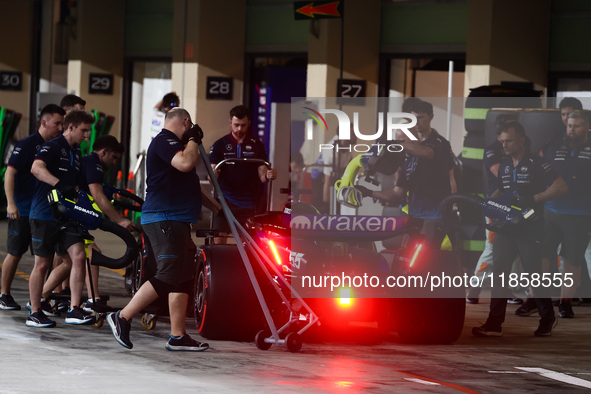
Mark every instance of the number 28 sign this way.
pixel 219 88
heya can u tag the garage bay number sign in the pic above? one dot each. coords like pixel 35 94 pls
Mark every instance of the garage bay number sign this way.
pixel 219 88
pixel 100 83
pixel 11 80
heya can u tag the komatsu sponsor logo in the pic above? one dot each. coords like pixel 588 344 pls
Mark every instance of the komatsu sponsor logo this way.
pixel 86 211
pixel 500 206
pixel 343 223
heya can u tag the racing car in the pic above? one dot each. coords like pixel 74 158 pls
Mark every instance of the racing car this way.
pixel 227 306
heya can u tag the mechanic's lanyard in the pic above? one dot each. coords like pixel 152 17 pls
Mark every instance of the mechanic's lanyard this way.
pixel 71 159
pixel 515 175
pixel 238 150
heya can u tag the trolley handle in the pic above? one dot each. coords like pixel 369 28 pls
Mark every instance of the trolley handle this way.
pixel 243 159
pixel 251 160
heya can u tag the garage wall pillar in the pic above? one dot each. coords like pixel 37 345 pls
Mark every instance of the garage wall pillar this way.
pixel 507 41
pixel 209 40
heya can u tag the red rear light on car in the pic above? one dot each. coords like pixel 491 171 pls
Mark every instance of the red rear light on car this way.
pixel 414 257
pixel 345 297
pixel 275 253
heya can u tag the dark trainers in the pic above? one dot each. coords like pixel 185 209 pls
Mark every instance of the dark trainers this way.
pixel 120 328
pixel 185 343
pixel 545 328
pixel 89 305
pixel 39 320
pixel 528 307
pixel 514 301
pixel 77 316
pixel 63 306
pixel 487 331
pixel 565 310
pixel 46 307
pixel 8 303
pixel 472 300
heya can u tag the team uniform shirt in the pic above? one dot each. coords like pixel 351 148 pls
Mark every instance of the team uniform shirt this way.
pixel 170 194
pixel 63 162
pixel 531 176
pixel 574 166
pixel 426 180
pixel 21 160
pixel 493 154
pixel 240 182
pixel 92 171
pixel 555 139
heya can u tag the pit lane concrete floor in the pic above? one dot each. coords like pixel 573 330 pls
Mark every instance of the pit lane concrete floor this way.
pixel 84 359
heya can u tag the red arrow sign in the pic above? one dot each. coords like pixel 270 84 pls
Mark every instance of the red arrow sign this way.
pixel 330 9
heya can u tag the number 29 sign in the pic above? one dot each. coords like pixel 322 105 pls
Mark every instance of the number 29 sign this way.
pixel 219 88
pixel 100 83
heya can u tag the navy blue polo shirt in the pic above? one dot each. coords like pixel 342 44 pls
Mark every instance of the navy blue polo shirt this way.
pixel 531 176
pixel 493 154
pixel 63 162
pixel 92 171
pixel 21 160
pixel 239 182
pixel 555 139
pixel 170 194
pixel 574 166
pixel 427 181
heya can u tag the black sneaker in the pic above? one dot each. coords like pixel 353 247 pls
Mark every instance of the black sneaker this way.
pixel 39 320
pixel 529 306
pixel 89 305
pixel 545 328
pixel 565 310
pixel 120 328
pixel 472 300
pixel 63 306
pixel 514 301
pixel 46 307
pixel 185 343
pixel 77 316
pixel 487 331
pixel 8 303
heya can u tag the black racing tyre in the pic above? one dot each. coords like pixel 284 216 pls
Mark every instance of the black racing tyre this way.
pixel 226 306
pixel 431 320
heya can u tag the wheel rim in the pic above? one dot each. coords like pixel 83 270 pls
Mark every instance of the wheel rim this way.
pixel 200 295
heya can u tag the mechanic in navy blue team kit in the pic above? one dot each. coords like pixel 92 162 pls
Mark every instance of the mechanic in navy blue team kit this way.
pixel 241 183
pixel 19 185
pixel 106 151
pixel 493 155
pixel 568 218
pixel 71 101
pixel 68 103
pixel 536 183
pixel 57 166
pixel 427 174
pixel 567 105
pixel 173 203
